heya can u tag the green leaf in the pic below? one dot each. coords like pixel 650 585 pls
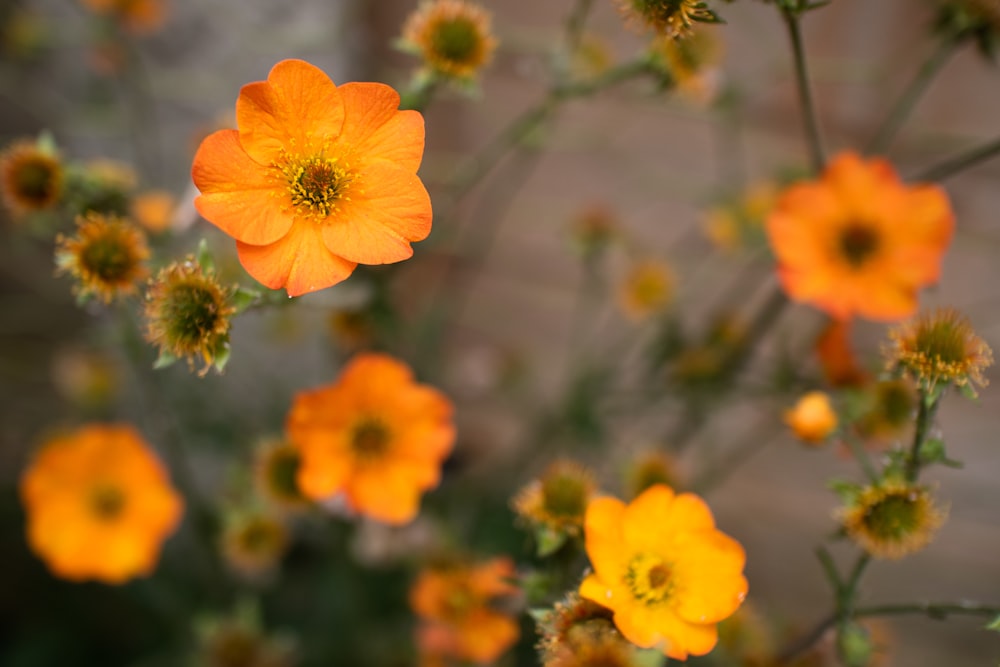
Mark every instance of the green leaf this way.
pixel 648 657
pixel 933 451
pixel 993 625
pixel 847 491
pixel 204 256
pixel 164 360
pixel 46 143
pixel 221 353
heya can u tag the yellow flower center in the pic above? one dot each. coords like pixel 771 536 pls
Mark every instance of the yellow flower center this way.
pixel 370 438
pixel 649 578
pixel 107 502
pixel 191 312
pixel 456 39
pixel 316 184
pixel 858 242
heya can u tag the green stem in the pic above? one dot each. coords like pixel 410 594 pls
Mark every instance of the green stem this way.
pixel 925 418
pixel 911 95
pixel 952 166
pixel 575 23
pixel 935 610
pixel 809 116
pixel 861 455
pixel 829 567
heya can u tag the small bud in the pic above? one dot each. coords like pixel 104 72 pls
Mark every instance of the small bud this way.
pixel 812 418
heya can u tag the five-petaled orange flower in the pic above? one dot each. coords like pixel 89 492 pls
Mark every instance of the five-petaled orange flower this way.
pixel 455 604
pixel 858 241
pixel 99 504
pixel 664 570
pixel 317 179
pixel 375 436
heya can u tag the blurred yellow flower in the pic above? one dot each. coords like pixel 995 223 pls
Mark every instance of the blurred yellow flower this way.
pixel 892 520
pixel 812 418
pixel 648 287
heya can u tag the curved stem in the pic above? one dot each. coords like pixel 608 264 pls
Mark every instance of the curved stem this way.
pixel 936 610
pixel 960 162
pixel 901 110
pixel 809 117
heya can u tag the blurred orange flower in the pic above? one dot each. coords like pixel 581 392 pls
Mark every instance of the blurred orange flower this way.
pixel 836 356
pixel 137 16
pixel 455 605
pixel 99 504
pixel 812 418
pixel 858 241
pixel 664 570
pixel 317 178
pixel 375 435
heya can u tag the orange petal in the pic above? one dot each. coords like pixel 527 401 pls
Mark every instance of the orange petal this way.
pixel 299 262
pixel 683 638
pixel 384 495
pixel 639 624
pixel 485 635
pixel 323 469
pixel 298 108
pixel 389 207
pixel 375 129
pixel 604 541
pixel 237 193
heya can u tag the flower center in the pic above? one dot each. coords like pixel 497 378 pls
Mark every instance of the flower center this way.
pixel 858 242
pixel 564 496
pixel 284 470
pixel 109 258
pixel 943 341
pixel 192 312
pixel 36 181
pixel 894 516
pixel 370 438
pixel 316 185
pixel 107 502
pixel 649 578
pixel 455 39
pixel 458 603
pixel 260 536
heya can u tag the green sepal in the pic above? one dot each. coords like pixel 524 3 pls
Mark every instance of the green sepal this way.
pixel 933 451
pixel 993 625
pixel 221 354
pixel 204 257
pixel 46 143
pixel 164 360
pixel 968 391
pixel 548 541
pixel 846 490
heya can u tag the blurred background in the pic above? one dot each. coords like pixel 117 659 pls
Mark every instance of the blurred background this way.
pixel 656 161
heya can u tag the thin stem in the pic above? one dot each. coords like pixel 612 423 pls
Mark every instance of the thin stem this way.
pixel 935 610
pixel 575 23
pixel 952 166
pixel 806 641
pixel 809 116
pixel 829 567
pixel 925 418
pixel 911 95
pixel 861 455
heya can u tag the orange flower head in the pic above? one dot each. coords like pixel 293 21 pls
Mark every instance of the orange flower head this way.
pixel 456 606
pixel 317 179
pixel 187 314
pixel 31 179
pixel 892 519
pixel 99 504
pixel 154 210
pixel 137 16
pixel 452 36
pixel 375 436
pixel 858 241
pixel 106 257
pixel 664 570
pixel 813 418
pixel 670 18
pixel 558 499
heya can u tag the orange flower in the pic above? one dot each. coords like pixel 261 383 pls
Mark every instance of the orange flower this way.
pixel 813 418
pixel 664 570
pixel 858 241
pixel 154 210
pixel 31 178
pixel 836 356
pixel 453 37
pixel 317 178
pixel 375 436
pixel 99 504
pixel 455 604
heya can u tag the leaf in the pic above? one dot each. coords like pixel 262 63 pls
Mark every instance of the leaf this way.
pixel 220 356
pixel 164 360
pixel 993 625
pixel 549 541
pixel 847 491
pixel 244 297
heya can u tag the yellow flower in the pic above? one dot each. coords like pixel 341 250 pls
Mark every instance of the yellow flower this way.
pixel 99 504
pixel 31 179
pixel 187 314
pixel 813 418
pixel 739 223
pixel 664 570
pixel 453 37
pixel 940 348
pixel 648 288
pixel 892 520
pixel 106 257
